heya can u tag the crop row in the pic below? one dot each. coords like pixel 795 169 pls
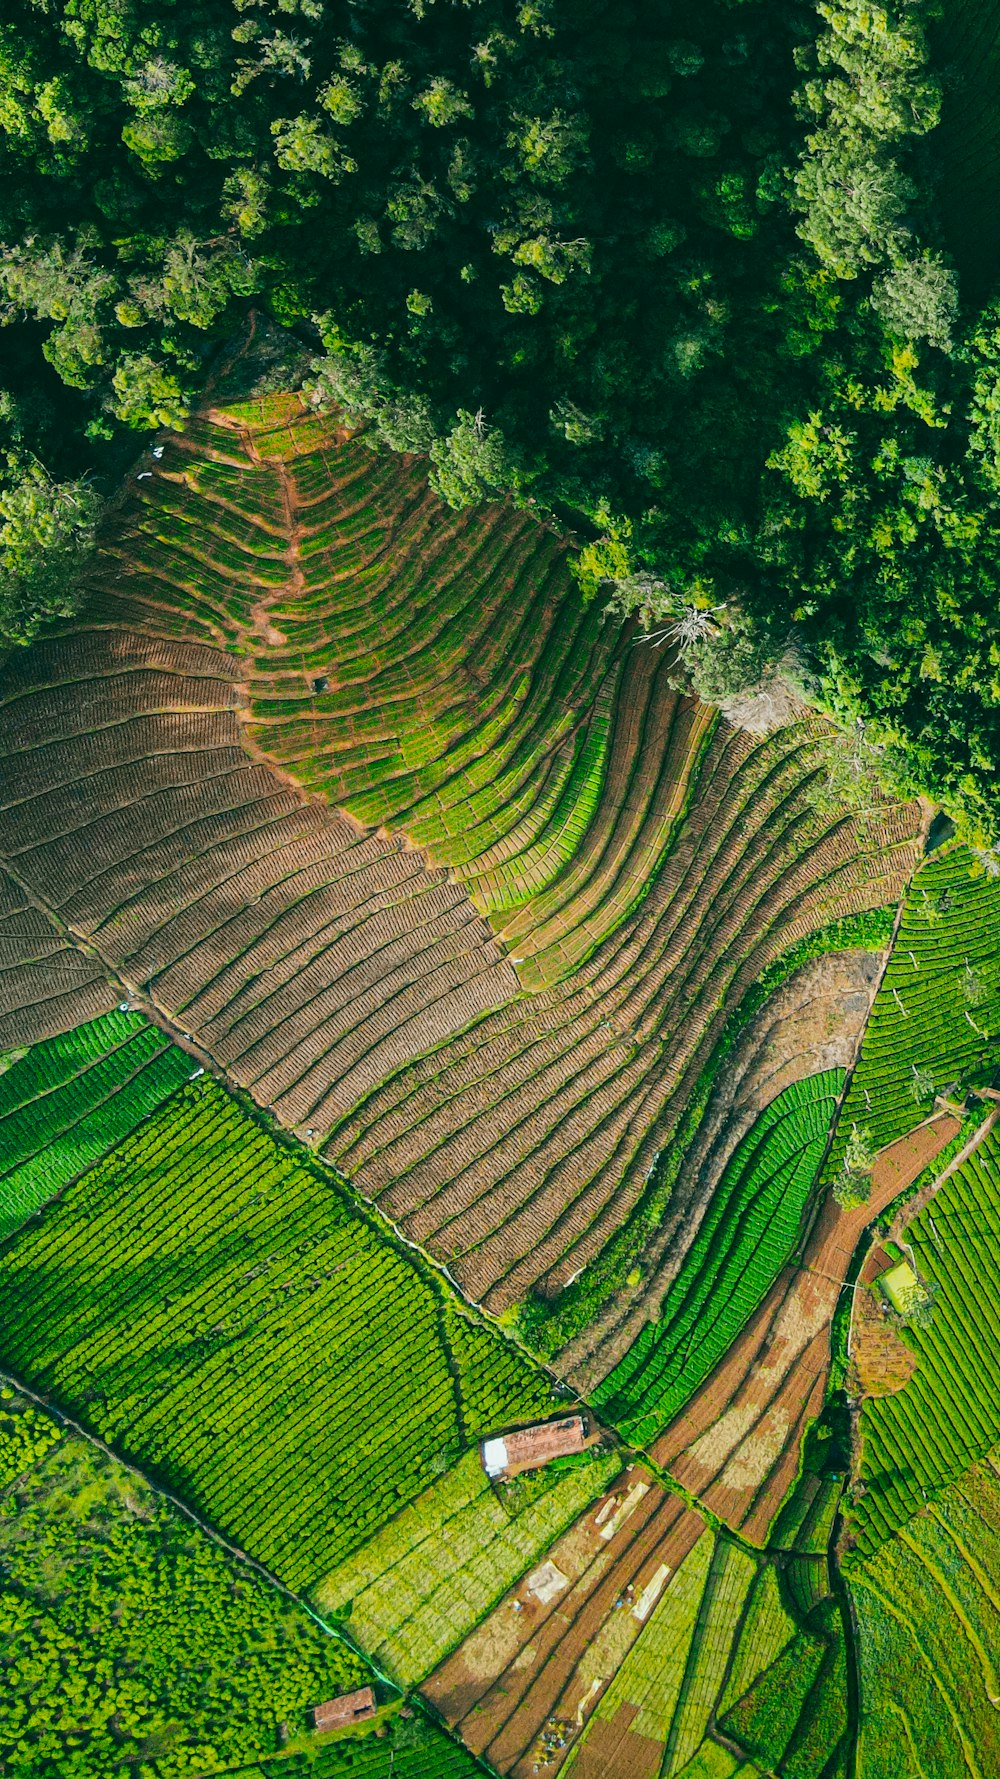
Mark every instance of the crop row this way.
pixel 744 1240
pixel 416 1589
pixel 922 1438
pixel 211 1304
pixel 925 1607
pixel 71 1099
pixel 936 1017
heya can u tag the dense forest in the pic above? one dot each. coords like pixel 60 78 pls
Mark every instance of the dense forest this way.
pixel 677 275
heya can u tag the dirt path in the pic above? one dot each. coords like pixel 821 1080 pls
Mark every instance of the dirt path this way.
pixel 735 1446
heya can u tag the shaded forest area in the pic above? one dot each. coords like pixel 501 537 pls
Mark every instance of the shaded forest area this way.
pixel 676 272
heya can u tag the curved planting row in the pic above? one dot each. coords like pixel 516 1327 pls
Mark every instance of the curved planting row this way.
pixel 736 1445
pixel 310 957
pixel 594 1077
pixel 744 1240
pixel 433 672
pixel 209 1303
pixel 46 984
pixel 919 1440
pixel 809 1019
pixel 641 868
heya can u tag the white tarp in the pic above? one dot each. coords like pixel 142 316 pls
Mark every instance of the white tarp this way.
pixel 494 1456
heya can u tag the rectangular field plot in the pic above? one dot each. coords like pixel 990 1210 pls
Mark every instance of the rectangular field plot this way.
pixel 210 1303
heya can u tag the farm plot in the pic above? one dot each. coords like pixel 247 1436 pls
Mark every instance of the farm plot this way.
pixel 808 1019
pixel 401 1748
pixel 528 1676
pixel 211 1304
pixel 590 837
pixel 736 1445
pixel 128 1635
pixel 744 1240
pixel 639 1637
pixel 416 1589
pixel 928 1616
pixel 65 1102
pixel 919 1440
pixel 936 1018
pixel 46 985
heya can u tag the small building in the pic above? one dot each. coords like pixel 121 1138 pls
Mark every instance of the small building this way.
pixel 529 1447
pixel 902 1288
pixel 336 1714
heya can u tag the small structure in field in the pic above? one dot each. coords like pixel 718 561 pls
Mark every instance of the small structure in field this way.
pixel 902 1288
pixel 336 1714
pixel 530 1447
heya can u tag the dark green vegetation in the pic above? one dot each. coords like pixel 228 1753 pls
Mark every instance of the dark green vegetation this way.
pixel 745 1239
pixel 208 1301
pixel 66 1102
pixel 130 1642
pixel 679 274
pixel 927 1614
pixel 408 1749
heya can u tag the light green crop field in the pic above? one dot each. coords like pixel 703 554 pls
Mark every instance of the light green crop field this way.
pixel 928 1613
pixel 920 1440
pixel 748 1234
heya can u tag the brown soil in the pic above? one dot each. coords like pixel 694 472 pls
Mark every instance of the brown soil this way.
pixel 813 1022
pixel 342 977
pixel 531 1663
pixel 736 1444
pixel 881 1360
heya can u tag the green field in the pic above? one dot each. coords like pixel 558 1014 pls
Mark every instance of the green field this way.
pixel 405 1749
pixel 66 1102
pixel 423 1582
pixel 208 1301
pixel 918 1441
pixel 724 1650
pixel 936 1018
pixel 747 1235
pixel 130 1643
pixel 927 1606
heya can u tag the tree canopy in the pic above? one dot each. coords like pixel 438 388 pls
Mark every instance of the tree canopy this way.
pixel 675 273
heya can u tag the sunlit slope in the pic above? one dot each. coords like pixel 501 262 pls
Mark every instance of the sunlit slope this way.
pixel 427 854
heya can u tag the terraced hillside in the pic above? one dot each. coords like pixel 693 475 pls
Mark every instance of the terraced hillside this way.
pixel 495 1032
